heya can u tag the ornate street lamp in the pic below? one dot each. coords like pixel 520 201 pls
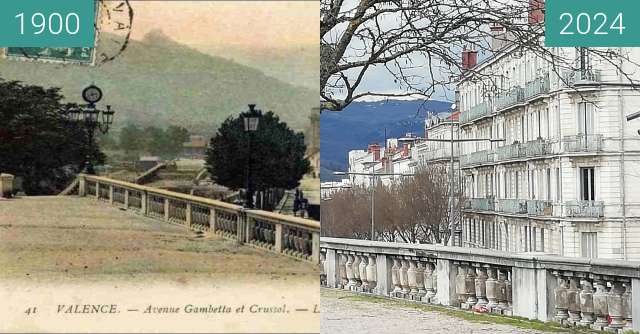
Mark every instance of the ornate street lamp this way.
pixel 251 120
pixel 92 119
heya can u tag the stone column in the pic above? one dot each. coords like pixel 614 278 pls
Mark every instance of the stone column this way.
pixel 278 238
pixel 627 306
pixel 323 269
pixel 371 272
pixel 445 280
pixel 461 293
pixel 187 214
pixel 332 268
pixel 384 273
pixel 111 194
pixel 315 247
pixel 600 308
pixel 167 206
pixel 212 220
pixel 82 186
pixel 144 202
pixel 586 303
pixel 126 198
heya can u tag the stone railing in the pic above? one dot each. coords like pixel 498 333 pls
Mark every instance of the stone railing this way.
pixel 513 97
pixel 584 209
pixel 583 143
pixel 279 233
pixel 477 111
pixel 537 87
pixel 534 286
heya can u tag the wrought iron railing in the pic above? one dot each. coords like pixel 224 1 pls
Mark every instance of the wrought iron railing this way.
pixel 288 235
pixel 582 76
pixel 540 207
pixel 537 87
pixel 515 206
pixel 583 143
pixel 482 204
pixel 513 97
pixel 584 209
pixel 479 110
pixel 476 158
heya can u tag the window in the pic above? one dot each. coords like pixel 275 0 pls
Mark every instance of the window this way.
pixel 558 185
pixel 587 184
pixel 589 244
pixel 548 197
pixel 585 118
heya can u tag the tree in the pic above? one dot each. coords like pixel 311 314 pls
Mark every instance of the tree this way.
pixel 419 43
pixel 176 136
pixel 155 141
pixel 131 138
pixel 37 142
pixel 413 210
pixel 277 154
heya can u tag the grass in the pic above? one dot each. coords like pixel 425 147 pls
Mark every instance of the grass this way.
pixel 519 322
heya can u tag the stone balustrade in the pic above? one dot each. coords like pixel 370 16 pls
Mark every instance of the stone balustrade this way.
pixel 602 294
pixel 293 236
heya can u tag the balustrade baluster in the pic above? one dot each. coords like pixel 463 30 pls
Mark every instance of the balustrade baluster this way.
pixel 323 270
pixel 372 272
pixel 356 271
pixel 349 268
pixel 395 276
pixel 573 300
pixel 404 277
pixel 429 285
pixel 344 279
pixel 470 286
pixel 600 308
pixel 412 279
pixel 586 303
pixel 614 301
pixel 561 299
pixel 481 287
pixel 363 272
pixel 501 289
pixel 492 285
pixel 461 284
pixel 420 280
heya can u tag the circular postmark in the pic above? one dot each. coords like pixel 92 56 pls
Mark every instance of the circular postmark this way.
pixel 114 20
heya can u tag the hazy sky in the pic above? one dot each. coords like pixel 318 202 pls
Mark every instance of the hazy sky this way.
pixel 237 23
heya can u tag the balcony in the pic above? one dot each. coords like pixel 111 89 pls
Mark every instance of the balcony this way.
pixel 511 98
pixel 584 209
pixel 539 208
pixel 508 152
pixel 481 204
pixel 515 206
pixel 536 148
pixel 476 158
pixel 583 143
pixel 583 77
pixel 478 111
pixel 537 87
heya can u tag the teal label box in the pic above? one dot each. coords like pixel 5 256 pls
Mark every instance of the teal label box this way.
pixel 592 23
pixel 47 23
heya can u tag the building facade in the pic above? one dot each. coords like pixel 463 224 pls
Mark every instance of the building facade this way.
pixel 565 179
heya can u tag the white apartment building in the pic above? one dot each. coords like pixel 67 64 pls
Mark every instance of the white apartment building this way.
pixel 566 179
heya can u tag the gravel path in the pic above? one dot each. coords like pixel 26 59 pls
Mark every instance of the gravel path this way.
pixel 345 316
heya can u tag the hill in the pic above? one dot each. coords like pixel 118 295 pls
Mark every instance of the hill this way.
pixel 158 81
pixel 362 123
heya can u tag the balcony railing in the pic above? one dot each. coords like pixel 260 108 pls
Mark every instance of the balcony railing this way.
pixel 516 206
pixel 477 111
pixel 282 234
pixel 585 209
pixel 536 148
pixel 508 152
pixel 583 143
pixel 509 99
pixel 537 87
pixel 477 158
pixel 539 208
pixel 578 76
pixel 483 204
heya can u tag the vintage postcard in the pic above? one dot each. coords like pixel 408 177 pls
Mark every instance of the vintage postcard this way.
pixel 166 177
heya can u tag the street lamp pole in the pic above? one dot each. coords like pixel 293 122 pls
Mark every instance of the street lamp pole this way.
pixel 251 120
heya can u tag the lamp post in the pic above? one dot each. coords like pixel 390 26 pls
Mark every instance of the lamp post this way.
pixel 251 121
pixel 92 119
pixel 373 189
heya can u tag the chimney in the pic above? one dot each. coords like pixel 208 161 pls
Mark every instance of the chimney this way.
pixel 498 37
pixel 469 59
pixel 405 150
pixel 375 149
pixel 536 11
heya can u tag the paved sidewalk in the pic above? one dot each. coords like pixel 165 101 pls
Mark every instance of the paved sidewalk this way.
pixel 346 313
